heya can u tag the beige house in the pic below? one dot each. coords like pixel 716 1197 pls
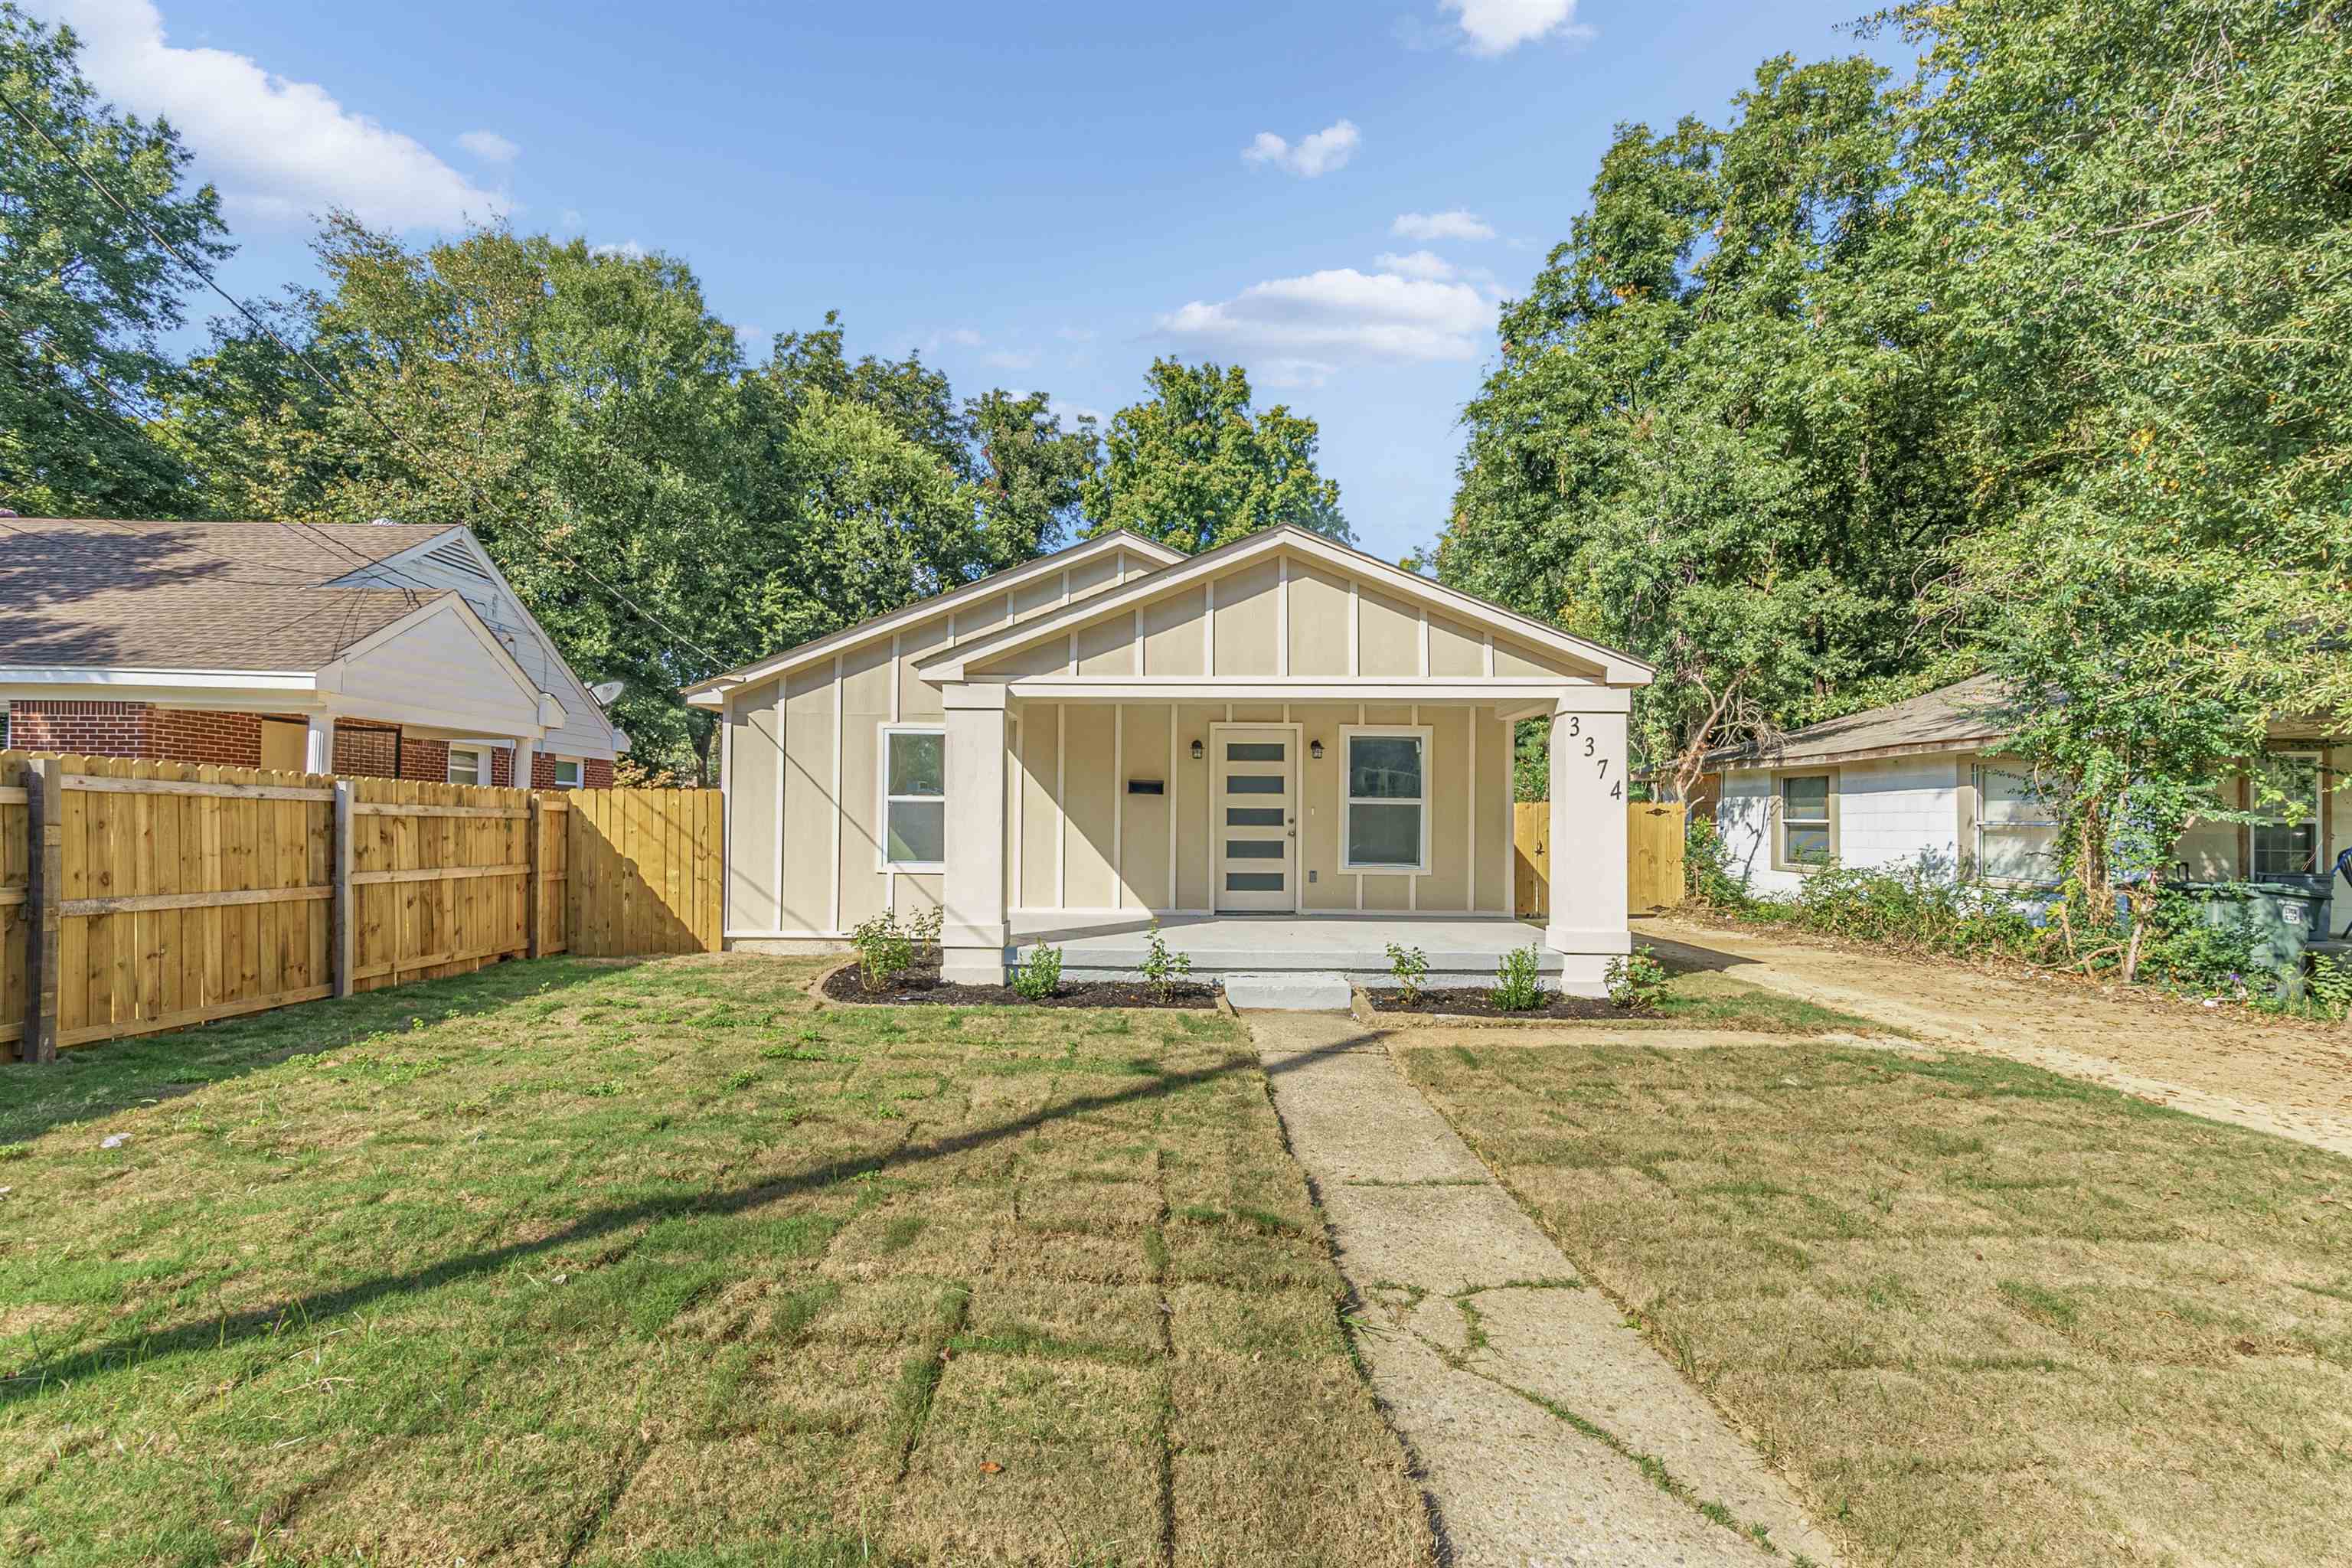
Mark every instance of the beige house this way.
pixel 1283 731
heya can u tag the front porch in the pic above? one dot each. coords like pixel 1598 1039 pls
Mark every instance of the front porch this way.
pixel 1463 950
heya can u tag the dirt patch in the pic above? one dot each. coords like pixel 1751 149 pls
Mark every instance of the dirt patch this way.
pixel 1476 1002
pixel 924 988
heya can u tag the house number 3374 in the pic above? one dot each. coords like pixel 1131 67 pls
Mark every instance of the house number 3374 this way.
pixel 1600 764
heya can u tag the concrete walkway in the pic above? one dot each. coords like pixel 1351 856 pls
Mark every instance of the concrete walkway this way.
pixel 2291 1081
pixel 1548 1433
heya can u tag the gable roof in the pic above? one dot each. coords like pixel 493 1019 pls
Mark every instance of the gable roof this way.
pixel 1963 715
pixel 705 693
pixel 134 595
pixel 951 663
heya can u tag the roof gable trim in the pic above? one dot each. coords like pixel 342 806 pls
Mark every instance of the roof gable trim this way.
pixel 708 693
pixel 953 664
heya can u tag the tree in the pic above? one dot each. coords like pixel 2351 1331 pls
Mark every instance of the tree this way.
pixel 1195 467
pixel 1712 434
pixel 85 289
pixel 2142 211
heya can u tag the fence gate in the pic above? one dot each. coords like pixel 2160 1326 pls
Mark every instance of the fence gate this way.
pixel 642 871
pixel 1653 857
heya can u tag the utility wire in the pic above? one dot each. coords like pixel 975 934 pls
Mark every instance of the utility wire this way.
pixel 205 274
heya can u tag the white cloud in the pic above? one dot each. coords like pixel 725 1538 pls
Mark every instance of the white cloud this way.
pixel 1455 225
pixel 964 337
pixel 628 249
pixel 1289 373
pixel 570 221
pixel 1426 265
pixel 1498 26
pixel 1310 320
pixel 1319 153
pixel 489 146
pixel 1009 358
pixel 277 149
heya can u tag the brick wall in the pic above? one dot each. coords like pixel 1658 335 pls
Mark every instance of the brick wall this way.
pixel 91 729
pixel 234 740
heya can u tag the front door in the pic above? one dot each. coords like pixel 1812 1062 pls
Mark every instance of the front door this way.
pixel 1257 816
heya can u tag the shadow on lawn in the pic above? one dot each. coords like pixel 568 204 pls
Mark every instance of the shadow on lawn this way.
pixel 91 1082
pixel 223 1331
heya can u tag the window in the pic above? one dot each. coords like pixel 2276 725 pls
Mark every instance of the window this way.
pixel 465 766
pixel 2017 828
pixel 914 798
pixel 2289 788
pixel 1808 830
pixel 1386 800
pixel 567 772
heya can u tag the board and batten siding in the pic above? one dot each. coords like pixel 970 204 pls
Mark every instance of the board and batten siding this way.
pixel 1076 840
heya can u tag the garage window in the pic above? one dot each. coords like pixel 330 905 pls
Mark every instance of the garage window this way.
pixel 466 767
pixel 1808 824
pixel 914 797
pixel 1384 799
pixel 567 772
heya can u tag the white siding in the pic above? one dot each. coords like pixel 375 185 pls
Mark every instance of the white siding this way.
pixel 1743 819
pixel 584 731
pixel 442 662
pixel 1900 812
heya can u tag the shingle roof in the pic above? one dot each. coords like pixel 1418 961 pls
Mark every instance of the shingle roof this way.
pixel 194 595
pixel 1966 713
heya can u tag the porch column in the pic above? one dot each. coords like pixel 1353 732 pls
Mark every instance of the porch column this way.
pixel 520 776
pixel 972 936
pixel 1588 791
pixel 319 744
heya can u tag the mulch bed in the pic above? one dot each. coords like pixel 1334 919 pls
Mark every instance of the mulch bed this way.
pixel 924 988
pixel 1472 1001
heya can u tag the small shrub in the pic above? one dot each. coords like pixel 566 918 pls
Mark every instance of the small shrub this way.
pixel 1708 879
pixel 2331 986
pixel 1042 976
pixel 1410 968
pixel 1161 968
pixel 885 952
pixel 1518 980
pixel 1637 979
pixel 923 931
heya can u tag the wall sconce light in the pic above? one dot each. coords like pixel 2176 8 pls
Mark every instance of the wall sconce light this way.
pixel 1315 750
pixel 1196 751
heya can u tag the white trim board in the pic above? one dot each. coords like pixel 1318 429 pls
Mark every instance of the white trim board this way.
pixel 1614 666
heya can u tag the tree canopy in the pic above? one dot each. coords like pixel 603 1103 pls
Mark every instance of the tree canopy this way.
pixel 85 289
pixel 2034 359
pixel 1194 466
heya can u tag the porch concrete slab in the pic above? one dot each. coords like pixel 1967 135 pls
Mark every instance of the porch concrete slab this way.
pixel 1296 992
pixel 1460 948
pixel 1534 1413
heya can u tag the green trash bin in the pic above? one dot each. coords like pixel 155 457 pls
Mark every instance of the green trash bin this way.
pixel 2285 913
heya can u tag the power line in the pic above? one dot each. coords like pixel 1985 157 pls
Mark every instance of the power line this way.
pixel 204 273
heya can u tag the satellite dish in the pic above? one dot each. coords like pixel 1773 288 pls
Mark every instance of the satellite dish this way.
pixel 604 691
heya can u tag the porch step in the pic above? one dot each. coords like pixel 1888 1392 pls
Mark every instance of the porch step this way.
pixel 1103 960
pixel 1288 992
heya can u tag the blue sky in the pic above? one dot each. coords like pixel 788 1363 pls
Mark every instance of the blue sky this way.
pixel 1036 195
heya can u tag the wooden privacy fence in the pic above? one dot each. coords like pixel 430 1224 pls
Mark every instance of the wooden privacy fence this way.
pixel 1653 857
pixel 137 896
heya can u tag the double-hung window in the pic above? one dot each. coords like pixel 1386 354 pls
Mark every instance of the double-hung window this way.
pixel 466 766
pixel 1385 820
pixel 2286 842
pixel 2017 827
pixel 1807 827
pixel 914 797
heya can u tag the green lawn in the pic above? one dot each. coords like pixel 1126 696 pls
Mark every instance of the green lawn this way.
pixel 1978 1313
pixel 582 1262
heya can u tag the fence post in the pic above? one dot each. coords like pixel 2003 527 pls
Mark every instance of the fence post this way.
pixel 535 889
pixel 338 921
pixel 45 878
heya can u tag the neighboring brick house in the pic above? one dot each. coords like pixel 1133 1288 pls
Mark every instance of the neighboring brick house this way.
pixel 384 650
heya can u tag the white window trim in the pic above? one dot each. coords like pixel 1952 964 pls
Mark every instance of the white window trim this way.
pixel 578 771
pixel 2316 805
pixel 882 796
pixel 1422 732
pixel 481 755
